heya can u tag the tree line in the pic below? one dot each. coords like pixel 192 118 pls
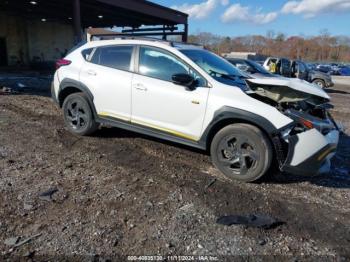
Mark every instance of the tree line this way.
pixel 321 48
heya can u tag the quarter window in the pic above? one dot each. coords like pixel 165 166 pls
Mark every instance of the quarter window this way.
pixel 86 53
pixel 118 57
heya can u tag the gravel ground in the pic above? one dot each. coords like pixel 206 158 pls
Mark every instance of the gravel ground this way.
pixel 119 193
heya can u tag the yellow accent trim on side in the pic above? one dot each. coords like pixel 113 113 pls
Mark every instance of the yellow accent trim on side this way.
pixel 173 132
pixel 114 116
pixel 325 153
pixel 149 125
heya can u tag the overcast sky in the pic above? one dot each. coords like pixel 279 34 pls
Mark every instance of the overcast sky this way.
pixel 243 17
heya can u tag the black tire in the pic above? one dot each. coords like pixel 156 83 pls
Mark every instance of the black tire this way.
pixel 241 152
pixel 78 115
pixel 319 82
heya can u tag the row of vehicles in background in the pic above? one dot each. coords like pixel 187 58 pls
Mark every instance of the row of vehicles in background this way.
pixel 332 68
pixel 274 66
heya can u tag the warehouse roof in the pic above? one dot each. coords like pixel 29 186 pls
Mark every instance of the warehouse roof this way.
pixel 97 13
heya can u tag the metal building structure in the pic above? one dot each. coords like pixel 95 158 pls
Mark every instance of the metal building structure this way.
pixel 38 22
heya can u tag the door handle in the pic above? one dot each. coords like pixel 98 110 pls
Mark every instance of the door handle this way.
pixel 140 87
pixel 91 72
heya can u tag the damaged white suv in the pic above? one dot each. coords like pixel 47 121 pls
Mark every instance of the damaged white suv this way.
pixel 191 96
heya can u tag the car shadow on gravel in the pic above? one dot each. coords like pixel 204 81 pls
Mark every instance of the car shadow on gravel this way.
pixel 114 132
pixel 339 177
pixel 36 85
pixel 334 91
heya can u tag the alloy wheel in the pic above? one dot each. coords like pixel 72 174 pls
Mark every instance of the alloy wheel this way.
pixel 237 154
pixel 77 115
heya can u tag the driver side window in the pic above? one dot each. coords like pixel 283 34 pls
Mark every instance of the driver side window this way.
pixel 163 65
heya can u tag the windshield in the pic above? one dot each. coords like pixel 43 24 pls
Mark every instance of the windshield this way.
pixel 217 67
pixel 211 63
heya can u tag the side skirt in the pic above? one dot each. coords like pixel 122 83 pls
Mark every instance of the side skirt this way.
pixel 149 131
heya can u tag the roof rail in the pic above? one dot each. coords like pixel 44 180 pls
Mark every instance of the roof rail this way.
pixel 130 37
pixel 114 36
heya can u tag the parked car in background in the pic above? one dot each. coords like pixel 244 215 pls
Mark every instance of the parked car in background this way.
pixel 282 66
pixel 312 66
pixel 340 70
pixel 324 68
pixel 302 71
pixel 344 71
pixel 298 69
pixel 250 67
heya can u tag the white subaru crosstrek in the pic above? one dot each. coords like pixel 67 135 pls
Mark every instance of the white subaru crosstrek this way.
pixel 188 95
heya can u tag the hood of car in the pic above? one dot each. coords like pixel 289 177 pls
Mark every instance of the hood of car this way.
pixel 261 75
pixel 286 89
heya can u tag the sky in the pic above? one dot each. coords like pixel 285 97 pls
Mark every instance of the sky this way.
pixel 247 17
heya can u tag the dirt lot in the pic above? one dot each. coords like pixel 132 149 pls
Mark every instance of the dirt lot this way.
pixel 120 193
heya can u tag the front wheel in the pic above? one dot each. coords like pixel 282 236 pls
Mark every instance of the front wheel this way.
pixel 241 152
pixel 78 115
pixel 319 82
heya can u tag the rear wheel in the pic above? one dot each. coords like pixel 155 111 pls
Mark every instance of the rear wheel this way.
pixel 78 115
pixel 319 82
pixel 241 152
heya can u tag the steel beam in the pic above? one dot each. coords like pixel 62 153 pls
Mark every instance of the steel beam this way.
pixel 77 21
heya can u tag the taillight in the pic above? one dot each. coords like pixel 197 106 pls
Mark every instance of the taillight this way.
pixel 62 62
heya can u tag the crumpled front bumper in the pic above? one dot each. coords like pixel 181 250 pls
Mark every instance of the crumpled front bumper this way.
pixel 310 152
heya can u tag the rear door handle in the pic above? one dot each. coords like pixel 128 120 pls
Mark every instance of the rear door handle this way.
pixel 140 87
pixel 91 72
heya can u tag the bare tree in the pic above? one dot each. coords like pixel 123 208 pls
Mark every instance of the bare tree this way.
pixel 323 47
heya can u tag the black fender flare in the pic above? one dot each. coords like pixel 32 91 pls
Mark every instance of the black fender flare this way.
pixel 69 83
pixel 228 115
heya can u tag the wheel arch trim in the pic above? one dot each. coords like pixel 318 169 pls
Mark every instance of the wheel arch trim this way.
pixel 71 83
pixel 228 115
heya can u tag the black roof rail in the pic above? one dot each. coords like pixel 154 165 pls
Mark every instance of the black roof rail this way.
pixel 114 36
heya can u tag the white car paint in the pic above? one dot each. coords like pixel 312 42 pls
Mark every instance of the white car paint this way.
pixel 236 98
pixel 111 89
pixel 166 106
pixel 159 103
pixel 310 142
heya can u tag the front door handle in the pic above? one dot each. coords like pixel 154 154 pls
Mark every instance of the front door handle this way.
pixel 91 72
pixel 140 87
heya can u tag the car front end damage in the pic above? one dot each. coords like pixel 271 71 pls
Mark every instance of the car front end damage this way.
pixel 306 146
pixel 309 144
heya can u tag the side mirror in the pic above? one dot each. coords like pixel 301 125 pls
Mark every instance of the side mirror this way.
pixel 184 80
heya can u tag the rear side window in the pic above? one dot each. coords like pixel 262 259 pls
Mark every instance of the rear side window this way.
pixel 118 57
